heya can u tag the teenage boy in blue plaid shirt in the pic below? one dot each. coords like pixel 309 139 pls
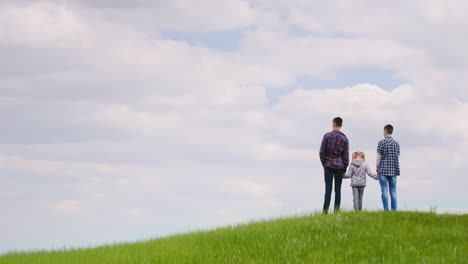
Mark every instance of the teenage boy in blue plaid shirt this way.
pixel 388 167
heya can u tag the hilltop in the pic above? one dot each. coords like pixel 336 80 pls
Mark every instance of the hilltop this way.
pixel 348 237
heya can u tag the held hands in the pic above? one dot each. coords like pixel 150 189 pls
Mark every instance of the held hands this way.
pixel 376 177
pixel 344 176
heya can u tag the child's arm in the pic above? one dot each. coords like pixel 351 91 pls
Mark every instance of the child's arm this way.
pixel 371 173
pixel 379 155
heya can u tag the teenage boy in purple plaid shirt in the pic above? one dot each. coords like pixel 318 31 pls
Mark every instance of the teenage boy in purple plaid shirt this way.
pixel 388 167
pixel 334 155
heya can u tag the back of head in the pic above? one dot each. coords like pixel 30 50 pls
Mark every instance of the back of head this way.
pixel 359 154
pixel 389 129
pixel 338 122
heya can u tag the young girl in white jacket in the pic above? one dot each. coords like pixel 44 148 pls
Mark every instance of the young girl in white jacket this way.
pixel 357 171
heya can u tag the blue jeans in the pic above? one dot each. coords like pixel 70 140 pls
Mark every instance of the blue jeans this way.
pixel 385 183
pixel 338 176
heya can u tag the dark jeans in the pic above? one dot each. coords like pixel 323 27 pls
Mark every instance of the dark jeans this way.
pixel 338 176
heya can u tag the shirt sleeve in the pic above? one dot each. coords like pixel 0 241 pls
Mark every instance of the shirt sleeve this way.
pixel 323 147
pixel 380 148
pixel 379 154
pixel 379 157
pixel 345 154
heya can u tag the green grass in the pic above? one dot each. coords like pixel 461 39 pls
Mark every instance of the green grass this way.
pixel 362 237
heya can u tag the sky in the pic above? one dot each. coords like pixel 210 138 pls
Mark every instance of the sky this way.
pixel 128 120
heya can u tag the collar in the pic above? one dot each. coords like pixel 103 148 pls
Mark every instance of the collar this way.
pixel 337 131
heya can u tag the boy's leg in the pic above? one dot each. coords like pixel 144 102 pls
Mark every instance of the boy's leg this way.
pixel 392 181
pixel 338 179
pixel 361 195
pixel 328 188
pixel 356 198
pixel 384 189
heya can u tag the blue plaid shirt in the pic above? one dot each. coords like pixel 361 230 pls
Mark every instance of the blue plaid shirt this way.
pixel 389 150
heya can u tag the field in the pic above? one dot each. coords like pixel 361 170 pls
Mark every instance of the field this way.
pixel 347 237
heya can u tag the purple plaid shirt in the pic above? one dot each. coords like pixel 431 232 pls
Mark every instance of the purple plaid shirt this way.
pixel 334 151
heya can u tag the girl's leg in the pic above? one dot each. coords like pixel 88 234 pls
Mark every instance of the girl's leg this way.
pixel 361 197
pixel 356 198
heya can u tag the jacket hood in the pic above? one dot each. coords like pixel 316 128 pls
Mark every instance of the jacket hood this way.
pixel 358 163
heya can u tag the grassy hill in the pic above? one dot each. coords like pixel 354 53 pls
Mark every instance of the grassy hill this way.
pixel 363 237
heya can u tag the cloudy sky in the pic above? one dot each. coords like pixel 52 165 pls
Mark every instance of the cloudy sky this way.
pixel 125 120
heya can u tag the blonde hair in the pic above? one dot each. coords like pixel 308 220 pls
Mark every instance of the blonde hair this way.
pixel 359 154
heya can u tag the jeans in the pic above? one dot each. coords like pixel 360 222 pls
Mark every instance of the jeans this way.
pixel 337 174
pixel 358 193
pixel 385 183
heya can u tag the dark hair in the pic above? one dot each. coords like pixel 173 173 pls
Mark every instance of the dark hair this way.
pixel 389 129
pixel 338 121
